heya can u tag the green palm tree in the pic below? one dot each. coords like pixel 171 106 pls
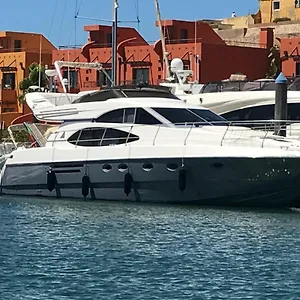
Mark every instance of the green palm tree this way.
pixel 275 62
pixel 36 74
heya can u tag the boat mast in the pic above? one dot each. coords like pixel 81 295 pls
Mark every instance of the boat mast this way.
pixel 114 42
pixel 162 38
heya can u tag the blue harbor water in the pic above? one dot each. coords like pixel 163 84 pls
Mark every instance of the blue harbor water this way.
pixel 53 249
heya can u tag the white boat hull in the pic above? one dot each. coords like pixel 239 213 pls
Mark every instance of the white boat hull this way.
pixel 210 181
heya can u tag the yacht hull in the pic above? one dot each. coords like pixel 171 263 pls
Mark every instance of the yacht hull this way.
pixel 209 181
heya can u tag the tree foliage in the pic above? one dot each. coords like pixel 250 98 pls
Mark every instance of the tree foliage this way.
pixel 275 62
pixel 36 73
pixel 283 19
pixel 20 136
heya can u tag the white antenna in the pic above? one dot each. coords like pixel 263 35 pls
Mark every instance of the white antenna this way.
pixel 195 60
pixel 162 38
pixel 40 63
pixel 114 42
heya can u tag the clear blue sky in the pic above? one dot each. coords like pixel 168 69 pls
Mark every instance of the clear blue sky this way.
pixel 55 18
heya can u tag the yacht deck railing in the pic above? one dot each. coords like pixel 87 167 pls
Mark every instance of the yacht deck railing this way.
pixel 231 134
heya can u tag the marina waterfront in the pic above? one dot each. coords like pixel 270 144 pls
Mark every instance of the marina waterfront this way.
pixel 54 249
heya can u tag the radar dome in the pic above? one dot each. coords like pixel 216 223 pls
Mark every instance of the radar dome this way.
pixel 65 81
pixel 176 65
pixel 50 73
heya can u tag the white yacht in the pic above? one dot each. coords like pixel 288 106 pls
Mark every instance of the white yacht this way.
pixel 249 105
pixel 234 100
pixel 147 145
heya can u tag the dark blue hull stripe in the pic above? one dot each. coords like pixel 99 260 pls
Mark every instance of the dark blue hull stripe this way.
pixel 43 186
pixel 79 164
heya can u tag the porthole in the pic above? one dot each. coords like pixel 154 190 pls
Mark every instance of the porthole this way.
pixel 217 165
pixel 172 167
pixel 122 167
pixel 147 167
pixel 106 168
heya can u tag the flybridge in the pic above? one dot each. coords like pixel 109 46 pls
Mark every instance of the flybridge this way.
pixel 130 91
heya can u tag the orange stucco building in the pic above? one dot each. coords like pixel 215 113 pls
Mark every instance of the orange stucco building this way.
pixel 196 43
pixel 290 55
pixel 17 51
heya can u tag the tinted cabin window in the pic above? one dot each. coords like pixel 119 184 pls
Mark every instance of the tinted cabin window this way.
pixel 115 116
pixel 210 117
pixel 95 137
pixel 294 111
pixel 179 115
pixel 264 112
pixel 143 117
pixel 129 115
pixel 89 137
pixel 116 137
pixel 237 115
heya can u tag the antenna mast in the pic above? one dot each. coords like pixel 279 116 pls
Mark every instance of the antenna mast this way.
pixel 40 63
pixel 162 38
pixel 114 42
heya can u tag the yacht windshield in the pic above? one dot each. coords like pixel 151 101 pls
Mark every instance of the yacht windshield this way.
pixel 183 116
pixel 210 117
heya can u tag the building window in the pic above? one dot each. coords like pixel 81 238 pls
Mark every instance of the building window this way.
pixel 183 35
pixel 297 69
pixel 102 79
pixel 17 45
pixel 140 75
pixel 297 3
pixel 109 40
pixel 7 109
pixel 72 77
pixel 276 5
pixel 9 81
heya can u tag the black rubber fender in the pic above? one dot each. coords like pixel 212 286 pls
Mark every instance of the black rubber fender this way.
pixel 51 180
pixel 128 180
pixel 85 186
